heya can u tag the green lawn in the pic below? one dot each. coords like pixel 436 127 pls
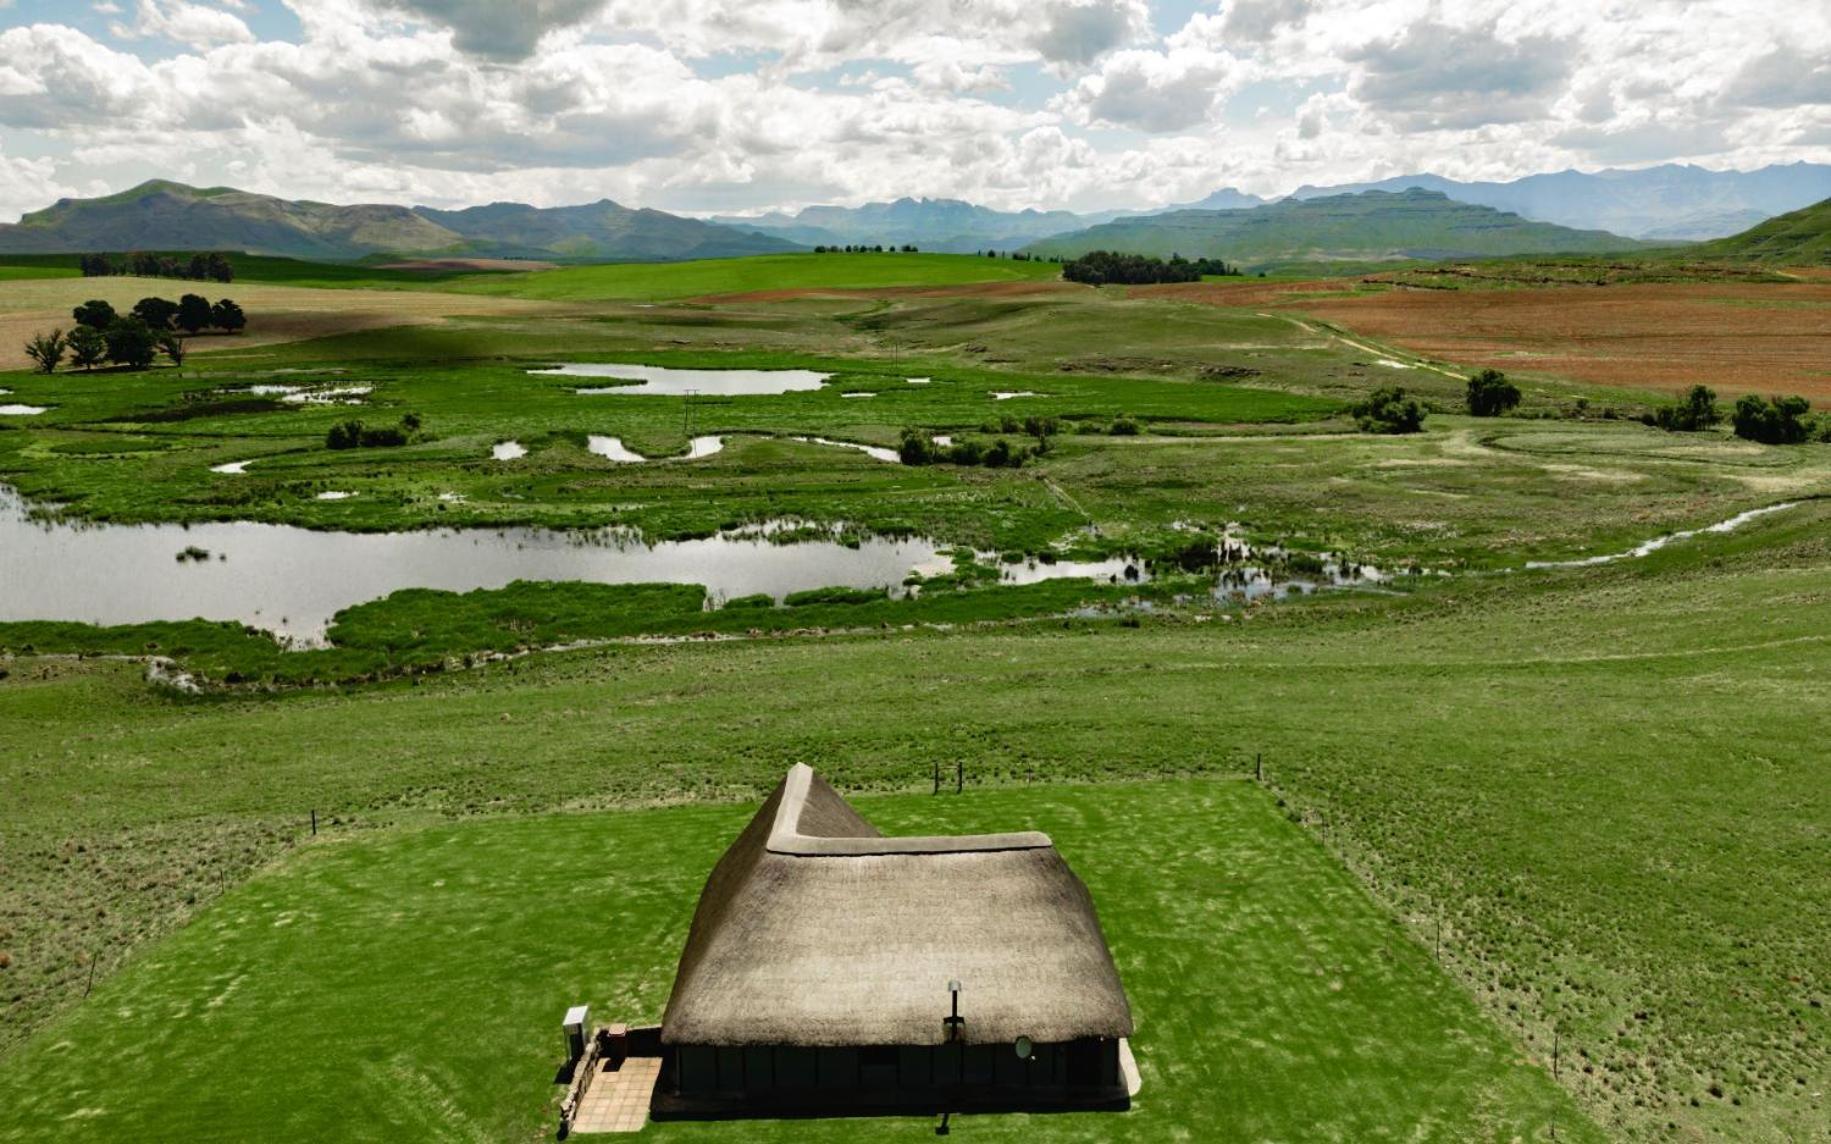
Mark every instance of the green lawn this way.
pixel 408 986
pixel 662 280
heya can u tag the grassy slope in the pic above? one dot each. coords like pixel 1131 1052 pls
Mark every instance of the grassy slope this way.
pixel 743 275
pixel 406 987
pixel 1578 883
pixel 1800 238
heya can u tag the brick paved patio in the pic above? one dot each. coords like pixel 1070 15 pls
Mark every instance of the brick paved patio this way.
pixel 618 1101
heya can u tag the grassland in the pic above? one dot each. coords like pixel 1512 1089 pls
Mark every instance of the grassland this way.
pixel 1556 854
pixel 1602 786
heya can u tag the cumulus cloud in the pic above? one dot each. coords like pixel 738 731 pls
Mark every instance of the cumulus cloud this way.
pixel 498 29
pixel 1434 76
pixel 1258 20
pixel 194 25
pixel 1081 31
pixel 722 104
pixel 1151 91
pixel 1784 77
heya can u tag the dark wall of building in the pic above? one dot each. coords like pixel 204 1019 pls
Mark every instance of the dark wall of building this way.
pixel 1083 1072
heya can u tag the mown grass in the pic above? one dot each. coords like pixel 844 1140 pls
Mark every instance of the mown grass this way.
pixel 1561 767
pixel 408 985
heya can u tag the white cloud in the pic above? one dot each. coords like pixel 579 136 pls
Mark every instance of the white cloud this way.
pixel 721 104
pixel 194 25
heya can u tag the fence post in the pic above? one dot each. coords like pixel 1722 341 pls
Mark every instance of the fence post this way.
pixel 937 789
pixel 1258 768
pixel 314 822
pixel 959 776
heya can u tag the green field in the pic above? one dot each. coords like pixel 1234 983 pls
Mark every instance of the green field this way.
pixel 1502 807
pixel 655 281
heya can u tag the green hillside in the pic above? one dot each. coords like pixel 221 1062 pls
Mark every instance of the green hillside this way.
pixel 171 216
pixel 1802 238
pixel 162 215
pixel 1373 225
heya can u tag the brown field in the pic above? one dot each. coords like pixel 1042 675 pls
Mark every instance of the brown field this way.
pixel 1735 337
pixel 275 313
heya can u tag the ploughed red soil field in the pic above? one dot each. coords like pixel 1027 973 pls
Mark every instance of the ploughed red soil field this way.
pixel 1734 337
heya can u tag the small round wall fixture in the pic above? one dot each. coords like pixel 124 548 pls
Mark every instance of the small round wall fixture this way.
pixel 1024 1048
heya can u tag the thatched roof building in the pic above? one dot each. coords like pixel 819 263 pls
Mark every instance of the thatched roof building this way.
pixel 820 943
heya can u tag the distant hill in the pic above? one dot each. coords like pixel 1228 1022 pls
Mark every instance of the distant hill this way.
pixel 942 226
pixel 1802 238
pixel 1671 201
pixel 161 215
pixel 1371 225
pixel 602 231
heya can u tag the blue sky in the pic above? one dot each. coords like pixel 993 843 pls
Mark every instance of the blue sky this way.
pixel 747 105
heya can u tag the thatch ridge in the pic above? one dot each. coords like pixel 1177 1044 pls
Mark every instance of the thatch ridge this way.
pixel 813 929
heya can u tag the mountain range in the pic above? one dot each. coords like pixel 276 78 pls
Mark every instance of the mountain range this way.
pixel 1666 203
pixel 1369 225
pixel 161 215
pixel 1669 203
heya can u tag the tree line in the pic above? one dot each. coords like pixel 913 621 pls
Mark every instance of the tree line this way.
pixel 863 248
pixel 134 339
pixel 211 267
pixel 1107 267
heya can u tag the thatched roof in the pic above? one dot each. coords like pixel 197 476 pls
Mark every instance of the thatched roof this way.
pixel 816 930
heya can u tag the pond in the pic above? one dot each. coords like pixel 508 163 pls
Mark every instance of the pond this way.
pixel 292 580
pixel 614 449
pixel 508 451
pixel 659 380
pixel 23 410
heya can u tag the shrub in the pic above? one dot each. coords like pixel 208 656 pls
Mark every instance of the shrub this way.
pixel 344 435
pixel 1491 394
pixel 1123 427
pixel 1776 421
pixel 1388 410
pixel 1696 411
pixel 353 434
pixel 834 596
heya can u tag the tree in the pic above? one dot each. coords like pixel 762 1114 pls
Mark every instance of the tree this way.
pixel 172 346
pixel 47 350
pixel 220 270
pixel 130 343
pixel 157 313
pixel 1491 394
pixel 1771 422
pixel 88 348
pixel 1698 410
pixel 228 317
pixel 1388 410
pixel 95 313
pixel 193 313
